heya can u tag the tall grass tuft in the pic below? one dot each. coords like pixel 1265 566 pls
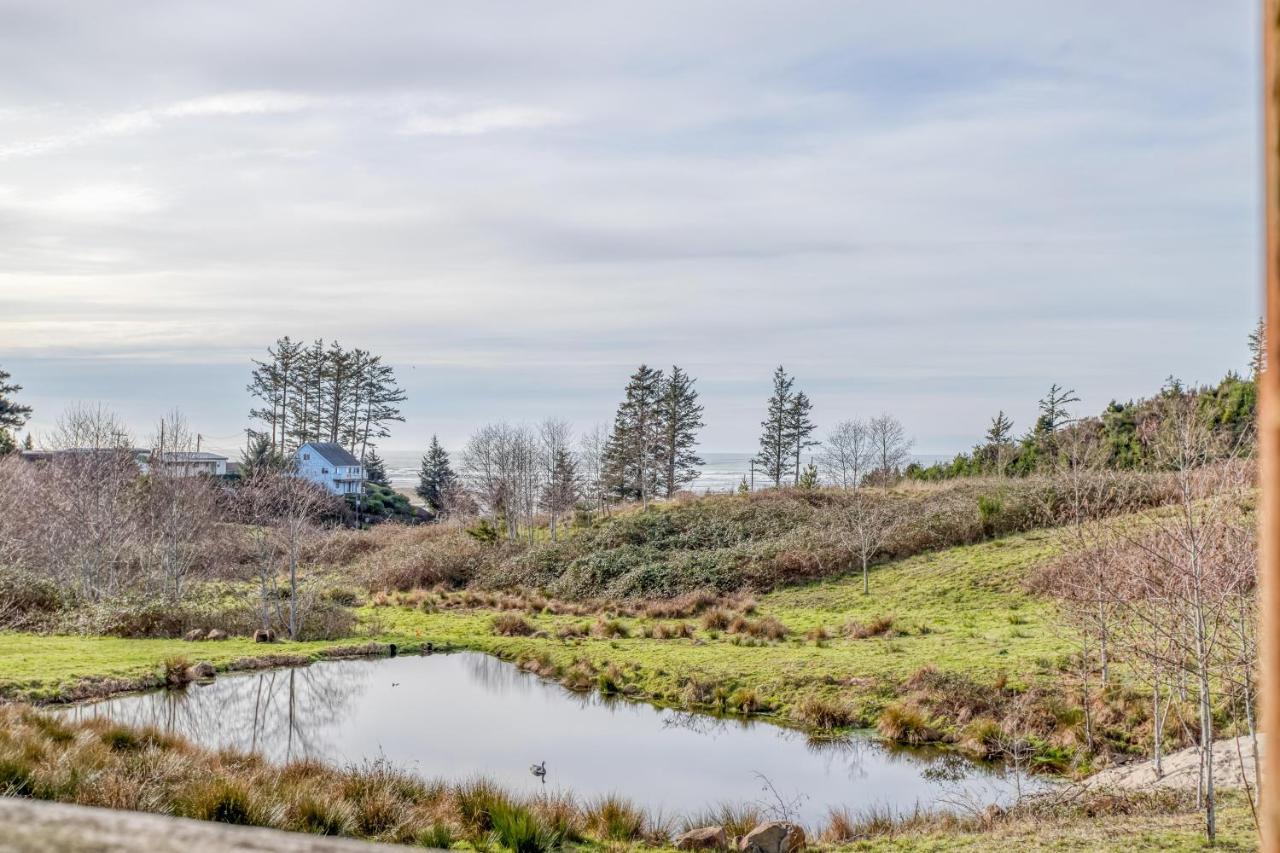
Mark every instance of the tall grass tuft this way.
pixel 821 712
pixel 520 830
pixel 615 819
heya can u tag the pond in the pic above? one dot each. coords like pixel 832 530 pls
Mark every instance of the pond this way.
pixel 453 716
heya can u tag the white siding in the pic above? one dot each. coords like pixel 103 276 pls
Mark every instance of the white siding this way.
pixel 340 480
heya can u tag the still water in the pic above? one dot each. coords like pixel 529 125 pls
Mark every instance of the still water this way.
pixel 458 715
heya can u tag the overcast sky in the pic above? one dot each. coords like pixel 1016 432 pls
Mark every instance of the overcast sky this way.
pixel 934 209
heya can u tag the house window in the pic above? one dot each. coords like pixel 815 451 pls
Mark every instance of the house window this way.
pixel 324 470
pixel 306 457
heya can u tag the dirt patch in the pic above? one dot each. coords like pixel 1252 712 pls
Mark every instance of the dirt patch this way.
pixel 1181 769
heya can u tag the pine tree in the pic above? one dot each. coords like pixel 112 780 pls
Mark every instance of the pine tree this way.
pixel 260 457
pixel 681 416
pixel 436 478
pixel 562 489
pixel 808 479
pixel 999 442
pixel 634 451
pixel 375 470
pixel 799 426
pixel 1258 350
pixel 28 443
pixel 1000 431
pixel 12 415
pixel 775 441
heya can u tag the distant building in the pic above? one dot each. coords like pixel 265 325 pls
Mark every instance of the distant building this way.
pixel 182 464
pixel 330 466
pixel 189 464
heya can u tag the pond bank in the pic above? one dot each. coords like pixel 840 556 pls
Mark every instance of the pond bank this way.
pixel 37 826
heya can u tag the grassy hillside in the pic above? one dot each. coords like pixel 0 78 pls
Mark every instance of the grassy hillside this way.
pixel 963 611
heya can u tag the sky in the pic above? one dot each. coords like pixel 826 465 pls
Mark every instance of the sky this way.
pixel 929 209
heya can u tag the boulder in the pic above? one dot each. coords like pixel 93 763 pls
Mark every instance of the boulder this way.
pixel 216 634
pixel 193 635
pixel 264 635
pixel 703 838
pixel 200 671
pixel 774 837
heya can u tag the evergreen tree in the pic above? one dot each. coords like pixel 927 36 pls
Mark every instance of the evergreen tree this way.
pixel 1258 350
pixel 12 415
pixel 808 478
pixel 1000 431
pixel 633 455
pixel 775 440
pixel 260 457
pixel 436 479
pixel 375 470
pixel 681 416
pixel 562 490
pixel 799 426
pixel 28 443
pixel 998 444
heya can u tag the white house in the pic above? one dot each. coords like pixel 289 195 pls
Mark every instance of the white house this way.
pixel 189 463
pixel 331 466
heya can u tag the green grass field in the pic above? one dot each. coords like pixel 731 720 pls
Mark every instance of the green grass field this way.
pixel 963 610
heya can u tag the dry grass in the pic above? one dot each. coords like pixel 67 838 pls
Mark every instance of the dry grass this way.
pixel 880 626
pixel 825 713
pixel 512 625
pixel 100 763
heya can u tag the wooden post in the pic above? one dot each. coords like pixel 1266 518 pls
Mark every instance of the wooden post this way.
pixel 1269 438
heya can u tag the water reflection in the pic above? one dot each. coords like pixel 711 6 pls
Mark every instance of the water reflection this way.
pixel 457 715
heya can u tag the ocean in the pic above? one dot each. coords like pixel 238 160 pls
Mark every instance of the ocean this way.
pixel 720 472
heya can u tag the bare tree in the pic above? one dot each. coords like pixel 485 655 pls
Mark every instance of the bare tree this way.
pixel 847 454
pixel 281 511
pixel 500 466
pixel 89 426
pixel 862 525
pixel 891 448
pixel 591 452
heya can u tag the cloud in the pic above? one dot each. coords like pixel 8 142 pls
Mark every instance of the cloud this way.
pixel 922 215
pixel 242 103
pixel 228 104
pixel 475 122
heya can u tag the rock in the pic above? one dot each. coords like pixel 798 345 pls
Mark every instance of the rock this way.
pixel 216 634
pixel 264 635
pixel 193 635
pixel 200 671
pixel 774 837
pixel 703 838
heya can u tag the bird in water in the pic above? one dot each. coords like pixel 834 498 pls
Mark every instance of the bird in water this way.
pixel 539 770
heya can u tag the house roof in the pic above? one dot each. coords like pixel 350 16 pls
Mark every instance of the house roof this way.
pixel 192 456
pixel 333 453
